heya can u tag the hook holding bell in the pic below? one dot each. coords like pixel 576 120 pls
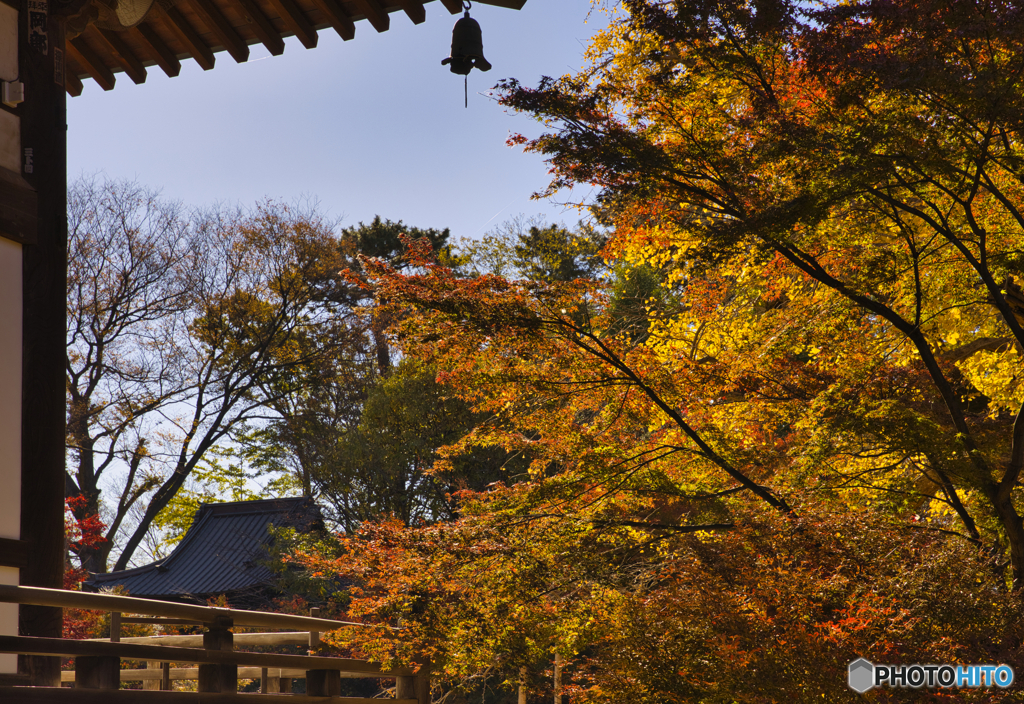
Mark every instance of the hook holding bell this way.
pixel 467 46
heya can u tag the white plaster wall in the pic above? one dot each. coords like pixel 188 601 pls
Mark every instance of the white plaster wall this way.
pixel 8 43
pixel 10 424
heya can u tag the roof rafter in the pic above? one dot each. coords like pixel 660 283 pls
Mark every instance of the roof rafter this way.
pixel 414 10
pixel 72 84
pixel 375 14
pixel 189 37
pixel 338 18
pixel 84 54
pixel 129 62
pixel 262 27
pixel 297 22
pixel 221 29
pixel 158 50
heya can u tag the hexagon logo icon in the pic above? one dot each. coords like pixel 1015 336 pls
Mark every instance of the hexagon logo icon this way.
pixel 861 675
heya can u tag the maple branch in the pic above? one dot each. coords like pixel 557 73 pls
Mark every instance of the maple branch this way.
pixel 601 351
pixel 654 525
pixel 945 531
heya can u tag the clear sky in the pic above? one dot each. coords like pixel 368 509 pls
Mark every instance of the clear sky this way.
pixel 370 126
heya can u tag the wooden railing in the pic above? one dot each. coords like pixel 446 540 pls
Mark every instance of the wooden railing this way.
pixel 98 675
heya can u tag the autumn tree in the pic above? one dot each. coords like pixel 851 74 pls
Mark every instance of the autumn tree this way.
pixel 182 328
pixel 862 157
pixel 821 207
pixel 127 285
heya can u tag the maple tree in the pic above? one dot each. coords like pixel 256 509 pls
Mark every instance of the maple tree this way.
pixel 790 429
pixel 854 169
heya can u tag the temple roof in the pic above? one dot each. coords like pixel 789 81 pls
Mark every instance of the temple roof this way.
pixel 221 553
pixel 107 37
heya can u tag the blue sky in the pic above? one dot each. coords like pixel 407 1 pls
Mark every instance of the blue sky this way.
pixel 371 126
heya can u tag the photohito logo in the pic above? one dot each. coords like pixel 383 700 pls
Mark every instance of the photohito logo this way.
pixel 862 675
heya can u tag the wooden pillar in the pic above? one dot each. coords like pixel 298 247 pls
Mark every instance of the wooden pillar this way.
pixel 97 672
pixel 218 678
pixel 44 285
pixel 115 626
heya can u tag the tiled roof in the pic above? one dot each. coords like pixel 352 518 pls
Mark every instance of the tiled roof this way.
pixel 221 552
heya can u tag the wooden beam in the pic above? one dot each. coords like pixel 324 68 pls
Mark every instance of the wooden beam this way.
pixel 414 10
pixel 262 27
pixel 15 553
pixel 221 29
pixel 375 14
pixel 189 37
pixel 453 6
pixel 43 330
pixel 338 18
pixel 84 55
pixel 19 221
pixel 296 21
pixel 72 83
pixel 129 62
pixel 158 50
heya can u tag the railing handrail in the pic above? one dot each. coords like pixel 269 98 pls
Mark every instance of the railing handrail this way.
pixel 196 641
pixel 29 645
pixel 39 596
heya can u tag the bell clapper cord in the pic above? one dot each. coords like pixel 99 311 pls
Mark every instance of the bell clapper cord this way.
pixel 466 5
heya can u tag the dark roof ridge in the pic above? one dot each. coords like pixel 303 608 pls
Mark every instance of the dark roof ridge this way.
pixel 252 506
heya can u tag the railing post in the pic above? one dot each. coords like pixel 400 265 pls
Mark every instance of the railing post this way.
pixel 323 683
pixel 97 672
pixel 165 677
pixel 415 686
pixel 152 684
pixel 423 683
pixel 218 678
pixel 405 687
pixel 270 684
pixel 314 636
pixel 115 626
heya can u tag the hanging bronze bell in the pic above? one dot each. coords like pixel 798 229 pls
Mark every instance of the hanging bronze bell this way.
pixel 467 47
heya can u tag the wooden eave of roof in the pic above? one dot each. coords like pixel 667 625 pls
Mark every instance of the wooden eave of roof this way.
pixel 97 46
